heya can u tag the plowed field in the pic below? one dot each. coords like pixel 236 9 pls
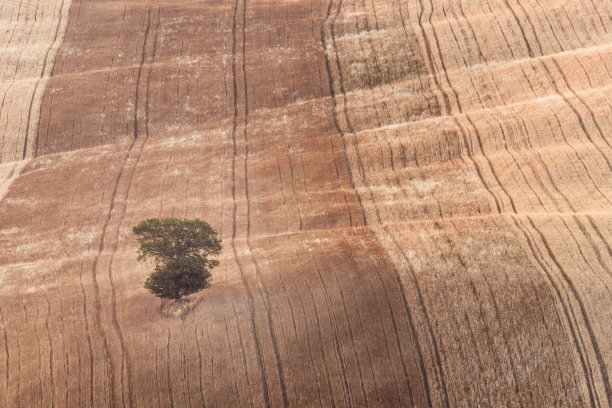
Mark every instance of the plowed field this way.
pixel 414 197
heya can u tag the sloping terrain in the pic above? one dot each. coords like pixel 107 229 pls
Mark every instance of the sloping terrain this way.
pixel 414 199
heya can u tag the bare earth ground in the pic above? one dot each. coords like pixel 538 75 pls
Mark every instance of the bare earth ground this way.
pixel 414 199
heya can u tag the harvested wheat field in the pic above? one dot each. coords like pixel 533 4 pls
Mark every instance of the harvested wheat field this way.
pixel 414 198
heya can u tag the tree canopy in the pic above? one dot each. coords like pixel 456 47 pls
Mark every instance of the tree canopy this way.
pixel 181 251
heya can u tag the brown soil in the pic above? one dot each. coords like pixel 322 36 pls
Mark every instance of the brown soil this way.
pixel 177 309
pixel 414 199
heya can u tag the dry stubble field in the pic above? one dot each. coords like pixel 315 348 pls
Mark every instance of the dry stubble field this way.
pixel 414 199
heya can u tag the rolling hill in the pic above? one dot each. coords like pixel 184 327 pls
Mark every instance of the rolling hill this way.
pixel 414 199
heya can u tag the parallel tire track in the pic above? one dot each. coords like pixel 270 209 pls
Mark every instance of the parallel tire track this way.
pixel 136 146
pixel 251 300
pixel 358 195
pixel 261 287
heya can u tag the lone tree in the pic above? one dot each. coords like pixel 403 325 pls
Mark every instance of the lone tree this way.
pixel 181 250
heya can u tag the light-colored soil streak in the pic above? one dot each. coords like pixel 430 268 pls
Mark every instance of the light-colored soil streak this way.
pixel 415 201
pixel 32 32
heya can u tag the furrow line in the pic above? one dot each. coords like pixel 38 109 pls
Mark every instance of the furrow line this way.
pixel 408 38
pixel 589 239
pixel 490 340
pixel 85 318
pixel 546 167
pixel 250 302
pixel 352 337
pixel 125 359
pixel 360 166
pixel 104 233
pixel 2 146
pixel 600 361
pixel 50 343
pixel 243 355
pixel 43 77
pixel 310 352
pixel 599 234
pixel 537 256
pixel 261 287
pixel 442 62
pixel 582 101
pixel 18 394
pixel 429 58
pixel 7 359
pixel 349 125
pixel 580 159
pixel 436 352
pixel 200 361
pixel 518 165
pixel 295 331
pixel 463 133
pixel 168 372
pixel 322 351
pixel 334 326
pixel 334 110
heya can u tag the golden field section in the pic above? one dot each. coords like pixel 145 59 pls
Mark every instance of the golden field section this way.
pixel 414 199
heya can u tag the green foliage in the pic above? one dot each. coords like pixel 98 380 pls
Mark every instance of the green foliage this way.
pixel 181 251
